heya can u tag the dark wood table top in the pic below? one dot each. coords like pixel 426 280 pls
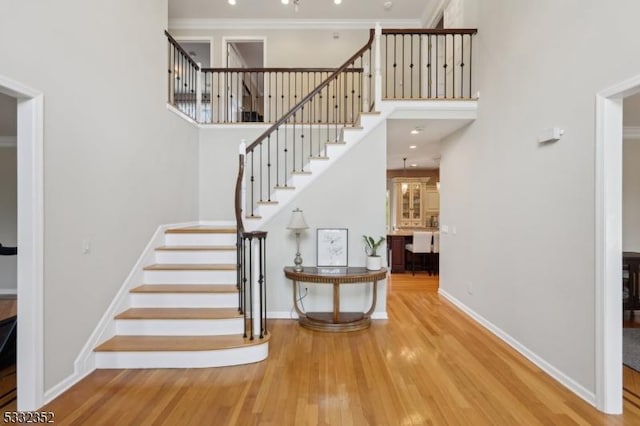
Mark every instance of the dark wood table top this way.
pixel 330 274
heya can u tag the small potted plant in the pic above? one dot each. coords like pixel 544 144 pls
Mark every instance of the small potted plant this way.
pixel 374 262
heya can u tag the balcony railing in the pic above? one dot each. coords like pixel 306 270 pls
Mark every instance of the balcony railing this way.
pixel 427 63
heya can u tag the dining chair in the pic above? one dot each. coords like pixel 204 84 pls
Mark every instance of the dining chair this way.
pixel 421 246
pixel 435 256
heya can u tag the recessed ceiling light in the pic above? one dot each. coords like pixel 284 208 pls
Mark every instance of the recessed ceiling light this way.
pixel 415 131
pixel 337 1
pixel 232 2
pixel 414 165
pixel 387 5
pixel 285 1
pixel 412 147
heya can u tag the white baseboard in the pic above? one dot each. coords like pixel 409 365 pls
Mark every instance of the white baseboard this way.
pixel 282 315
pixel 64 385
pixel 8 292
pixel 545 366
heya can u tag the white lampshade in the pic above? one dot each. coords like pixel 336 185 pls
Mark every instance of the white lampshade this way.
pixel 297 220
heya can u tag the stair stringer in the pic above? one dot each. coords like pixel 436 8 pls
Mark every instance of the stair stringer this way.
pixel 413 109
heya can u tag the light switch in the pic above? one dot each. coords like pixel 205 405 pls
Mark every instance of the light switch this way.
pixel 454 230
pixel 445 229
pixel 86 246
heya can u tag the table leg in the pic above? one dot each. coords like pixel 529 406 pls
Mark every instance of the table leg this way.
pixel 375 299
pixel 295 300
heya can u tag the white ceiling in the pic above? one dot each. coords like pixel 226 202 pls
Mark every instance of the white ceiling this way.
pixel 308 9
pixel 426 155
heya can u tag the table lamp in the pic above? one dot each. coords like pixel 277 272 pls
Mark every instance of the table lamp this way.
pixel 297 224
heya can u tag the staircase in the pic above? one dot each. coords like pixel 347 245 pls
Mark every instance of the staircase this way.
pixel 314 167
pixel 185 313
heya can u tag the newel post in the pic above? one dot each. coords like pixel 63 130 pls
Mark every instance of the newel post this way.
pixel 378 67
pixel 242 150
pixel 199 94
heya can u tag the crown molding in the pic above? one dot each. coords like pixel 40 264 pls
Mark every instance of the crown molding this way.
pixel 289 24
pixel 631 132
pixel 8 141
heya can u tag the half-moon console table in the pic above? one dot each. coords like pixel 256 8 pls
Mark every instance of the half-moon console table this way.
pixel 336 320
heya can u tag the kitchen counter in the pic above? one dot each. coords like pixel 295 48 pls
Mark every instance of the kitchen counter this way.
pixel 396 241
pixel 407 232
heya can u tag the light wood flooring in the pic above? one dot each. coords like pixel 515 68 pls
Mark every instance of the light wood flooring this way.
pixel 428 364
pixel 631 377
pixel 8 308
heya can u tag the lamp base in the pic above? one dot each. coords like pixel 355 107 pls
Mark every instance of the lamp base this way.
pixel 298 262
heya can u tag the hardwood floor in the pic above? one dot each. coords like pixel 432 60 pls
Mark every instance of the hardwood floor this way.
pixel 8 308
pixel 631 377
pixel 427 364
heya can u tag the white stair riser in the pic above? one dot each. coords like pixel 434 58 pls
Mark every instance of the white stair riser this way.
pixel 187 359
pixel 190 277
pixel 200 239
pixel 182 327
pixel 184 300
pixel 193 256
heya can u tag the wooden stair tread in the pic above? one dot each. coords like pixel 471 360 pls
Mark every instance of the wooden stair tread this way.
pixel 267 203
pixel 202 229
pixel 196 248
pixel 319 158
pixel 304 173
pixel 284 187
pixel 192 267
pixel 179 313
pixel 176 343
pixel 185 288
pixel 255 216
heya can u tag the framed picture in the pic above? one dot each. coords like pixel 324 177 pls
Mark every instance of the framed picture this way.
pixel 332 247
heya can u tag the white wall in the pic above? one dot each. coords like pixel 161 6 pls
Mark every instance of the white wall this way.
pixel 218 169
pixel 291 48
pixel 524 212
pixel 117 163
pixel 349 195
pixel 8 218
pixel 631 195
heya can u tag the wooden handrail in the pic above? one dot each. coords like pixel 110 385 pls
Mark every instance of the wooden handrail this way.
pixel 313 93
pixel 181 50
pixel 431 31
pixel 254 70
pixel 238 200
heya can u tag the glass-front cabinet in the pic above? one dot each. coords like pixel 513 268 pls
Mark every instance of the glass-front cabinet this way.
pixel 410 206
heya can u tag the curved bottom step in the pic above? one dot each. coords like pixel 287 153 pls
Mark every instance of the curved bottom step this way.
pixel 180 351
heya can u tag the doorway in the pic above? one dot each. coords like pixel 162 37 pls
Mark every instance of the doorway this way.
pixel 30 242
pixel 245 86
pixel 609 246
pixel 631 248
pixel 8 251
